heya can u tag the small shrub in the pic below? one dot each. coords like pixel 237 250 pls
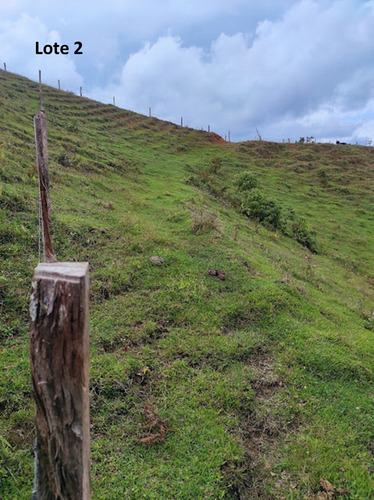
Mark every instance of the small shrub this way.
pixel 215 164
pixel 256 206
pixel 246 181
pixel 64 159
pixel 303 235
pixel 269 213
pixel 203 222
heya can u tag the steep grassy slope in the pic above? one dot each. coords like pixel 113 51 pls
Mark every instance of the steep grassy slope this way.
pixel 265 377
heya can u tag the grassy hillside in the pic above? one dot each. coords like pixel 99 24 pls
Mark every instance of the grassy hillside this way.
pixel 264 378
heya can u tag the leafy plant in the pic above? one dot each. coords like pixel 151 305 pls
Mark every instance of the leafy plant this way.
pixel 256 206
pixel 246 181
pixel 215 164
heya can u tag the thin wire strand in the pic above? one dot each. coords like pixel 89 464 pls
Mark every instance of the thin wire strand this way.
pixel 39 230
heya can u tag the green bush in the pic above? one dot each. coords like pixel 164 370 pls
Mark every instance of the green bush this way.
pixel 215 164
pixel 303 235
pixel 269 213
pixel 246 181
pixel 256 206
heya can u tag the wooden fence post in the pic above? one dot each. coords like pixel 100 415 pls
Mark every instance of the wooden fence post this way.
pixel 42 160
pixel 4 66
pixel 114 100
pixel 181 121
pixel 59 350
pixel 208 128
pixel 150 112
pixel 80 91
pixel 59 85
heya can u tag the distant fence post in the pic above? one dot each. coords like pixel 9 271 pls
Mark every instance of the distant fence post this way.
pixel 40 77
pixel 59 351
pixel 181 121
pixel 59 86
pixel 80 91
pixel 149 112
pixel 4 66
pixel 208 128
pixel 114 101
pixel 229 136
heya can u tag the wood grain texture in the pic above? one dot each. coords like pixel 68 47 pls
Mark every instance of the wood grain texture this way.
pixel 59 349
pixel 40 126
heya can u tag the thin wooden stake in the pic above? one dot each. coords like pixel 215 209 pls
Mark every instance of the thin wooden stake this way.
pixel 181 121
pixel 208 128
pixel 59 86
pixel 40 127
pixel 4 66
pixel 114 101
pixel 59 351
pixel 80 91
pixel 150 112
pixel 40 77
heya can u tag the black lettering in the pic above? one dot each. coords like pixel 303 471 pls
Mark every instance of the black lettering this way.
pixel 64 49
pixel 37 48
pixel 48 49
pixel 78 49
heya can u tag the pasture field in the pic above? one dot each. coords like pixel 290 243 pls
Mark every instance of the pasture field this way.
pixel 262 382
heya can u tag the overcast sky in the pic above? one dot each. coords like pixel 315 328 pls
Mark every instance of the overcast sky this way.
pixel 289 68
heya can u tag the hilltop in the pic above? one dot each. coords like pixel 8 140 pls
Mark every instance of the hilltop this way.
pixel 264 377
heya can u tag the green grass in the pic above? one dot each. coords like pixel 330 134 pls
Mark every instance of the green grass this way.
pixel 266 377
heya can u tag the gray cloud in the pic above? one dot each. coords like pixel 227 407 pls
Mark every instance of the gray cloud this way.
pixel 297 72
pixel 289 67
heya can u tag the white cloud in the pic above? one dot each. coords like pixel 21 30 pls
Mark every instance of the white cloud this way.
pixel 17 49
pixel 314 63
pixel 288 67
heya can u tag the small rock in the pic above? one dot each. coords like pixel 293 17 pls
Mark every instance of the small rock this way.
pixel 156 260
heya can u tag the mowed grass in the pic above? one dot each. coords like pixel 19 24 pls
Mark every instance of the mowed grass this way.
pixel 265 379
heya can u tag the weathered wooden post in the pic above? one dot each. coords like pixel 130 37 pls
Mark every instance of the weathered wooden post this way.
pixel 181 121
pixel 59 352
pixel 42 161
pixel 80 91
pixel 149 112
pixel 229 136
pixel 59 349
pixel 114 100
pixel 59 85
pixel 40 77
pixel 208 128
pixel 4 66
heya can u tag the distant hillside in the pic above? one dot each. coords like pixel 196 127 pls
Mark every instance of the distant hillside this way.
pixel 265 376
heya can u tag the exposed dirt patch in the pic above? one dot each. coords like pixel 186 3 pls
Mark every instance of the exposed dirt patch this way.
pixel 21 435
pixel 215 138
pixel 261 430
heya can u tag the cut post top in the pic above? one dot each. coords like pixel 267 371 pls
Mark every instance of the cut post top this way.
pixel 61 270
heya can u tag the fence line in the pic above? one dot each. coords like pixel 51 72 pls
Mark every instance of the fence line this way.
pixel 114 102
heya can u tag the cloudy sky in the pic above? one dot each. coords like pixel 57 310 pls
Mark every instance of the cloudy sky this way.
pixel 288 68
